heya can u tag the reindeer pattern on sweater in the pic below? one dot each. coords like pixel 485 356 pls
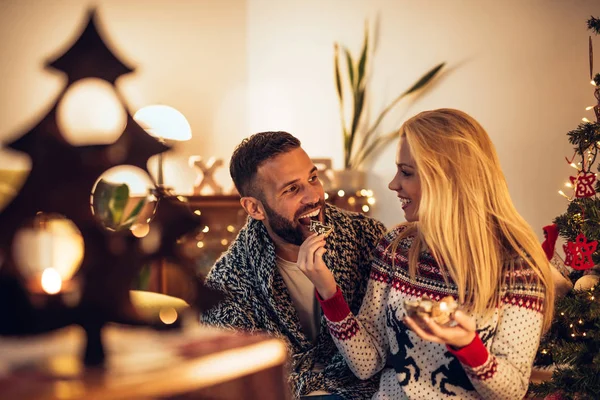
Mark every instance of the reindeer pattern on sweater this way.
pixel 496 365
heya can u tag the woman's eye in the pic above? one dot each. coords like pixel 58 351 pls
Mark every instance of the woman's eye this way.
pixel 405 173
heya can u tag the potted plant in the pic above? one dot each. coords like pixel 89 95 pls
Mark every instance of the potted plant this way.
pixel 363 138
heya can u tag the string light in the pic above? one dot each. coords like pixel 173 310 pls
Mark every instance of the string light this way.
pixel 584 119
pixel 200 244
pixel 206 229
pixel 569 185
pixel 224 242
pixel 230 228
pixel 351 201
pixel 593 82
pixel 589 108
pixel 365 208
pixel 341 193
pixel 198 212
pixel 326 196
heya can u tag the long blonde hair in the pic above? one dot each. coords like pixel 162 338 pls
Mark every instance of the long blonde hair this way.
pixel 466 218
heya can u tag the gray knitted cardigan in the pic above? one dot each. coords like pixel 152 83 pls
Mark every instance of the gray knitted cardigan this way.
pixel 257 300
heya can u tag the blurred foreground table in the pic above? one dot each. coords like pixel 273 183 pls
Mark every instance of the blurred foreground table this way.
pixel 141 363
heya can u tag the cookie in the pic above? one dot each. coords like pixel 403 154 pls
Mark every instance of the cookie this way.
pixel 439 311
pixel 319 228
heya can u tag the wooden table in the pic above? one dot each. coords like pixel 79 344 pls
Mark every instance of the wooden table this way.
pixel 201 363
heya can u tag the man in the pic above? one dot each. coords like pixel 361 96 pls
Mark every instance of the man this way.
pixel 264 289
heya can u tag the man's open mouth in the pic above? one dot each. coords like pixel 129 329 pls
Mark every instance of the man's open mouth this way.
pixel 305 219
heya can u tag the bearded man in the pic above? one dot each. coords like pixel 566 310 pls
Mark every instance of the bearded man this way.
pixel 264 291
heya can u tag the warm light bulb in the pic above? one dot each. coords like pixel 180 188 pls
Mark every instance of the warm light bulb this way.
pixel 168 315
pixel 230 228
pixel 51 241
pixel 589 108
pixel 140 230
pixel 224 242
pixel 593 82
pixel 326 196
pixel 573 165
pixel 200 244
pixel 206 229
pixel 371 200
pixel 341 193
pixel 584 119
pixel 51 281
pixel 163 122
pixel 365 208
pixel 90 113
pixel 568 184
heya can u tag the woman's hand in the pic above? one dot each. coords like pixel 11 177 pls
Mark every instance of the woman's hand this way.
pixel 456 336
pixel 310 262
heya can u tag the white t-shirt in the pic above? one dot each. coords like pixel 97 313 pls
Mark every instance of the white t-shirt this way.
pixel 302 292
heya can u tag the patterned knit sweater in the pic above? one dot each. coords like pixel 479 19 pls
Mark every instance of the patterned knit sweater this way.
pixel 496 365
pixel 257 299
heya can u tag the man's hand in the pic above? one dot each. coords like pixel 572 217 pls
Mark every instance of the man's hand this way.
pixel 310 262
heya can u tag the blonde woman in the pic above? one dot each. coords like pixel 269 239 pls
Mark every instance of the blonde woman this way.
pixel 464 238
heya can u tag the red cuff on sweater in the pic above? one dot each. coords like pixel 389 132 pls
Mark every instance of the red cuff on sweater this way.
pixel 335 308
pixel 473 355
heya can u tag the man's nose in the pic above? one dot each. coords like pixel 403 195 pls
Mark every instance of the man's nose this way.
pixel 311 195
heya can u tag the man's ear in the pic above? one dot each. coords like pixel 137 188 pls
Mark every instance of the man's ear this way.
pixel 253 207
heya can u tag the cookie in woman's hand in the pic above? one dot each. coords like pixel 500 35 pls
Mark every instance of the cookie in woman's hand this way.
pixel 439 311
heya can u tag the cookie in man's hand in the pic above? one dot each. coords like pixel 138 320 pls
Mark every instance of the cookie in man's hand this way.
pixel 320 229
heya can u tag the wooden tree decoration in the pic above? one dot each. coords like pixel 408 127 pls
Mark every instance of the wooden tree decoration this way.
pixel 61 180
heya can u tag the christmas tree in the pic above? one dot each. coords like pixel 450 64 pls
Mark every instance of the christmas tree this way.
pixel 572 345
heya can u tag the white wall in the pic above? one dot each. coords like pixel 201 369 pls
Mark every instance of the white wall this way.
pixel 519 67
pixel 235 67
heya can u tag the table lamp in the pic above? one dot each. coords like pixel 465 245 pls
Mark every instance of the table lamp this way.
pixel 164 123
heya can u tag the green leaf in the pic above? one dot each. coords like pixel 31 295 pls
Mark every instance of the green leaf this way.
pixel 338 79
pixel 131 218
pixel 340 92
pixel 363 59
pixel 425 79
pixel 117 204
pixel 350 67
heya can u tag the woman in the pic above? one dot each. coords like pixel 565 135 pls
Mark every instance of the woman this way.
pixel 464 238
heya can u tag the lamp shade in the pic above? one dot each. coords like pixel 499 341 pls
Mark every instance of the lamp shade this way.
pixel 163 122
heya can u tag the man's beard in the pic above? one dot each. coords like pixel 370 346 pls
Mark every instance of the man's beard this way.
pixel 290 231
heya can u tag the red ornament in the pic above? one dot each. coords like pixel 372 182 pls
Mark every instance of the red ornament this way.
pixel 584 184
pixel 551 235
pixel 579 254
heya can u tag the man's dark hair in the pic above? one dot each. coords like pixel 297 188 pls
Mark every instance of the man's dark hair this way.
pixel 249 155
